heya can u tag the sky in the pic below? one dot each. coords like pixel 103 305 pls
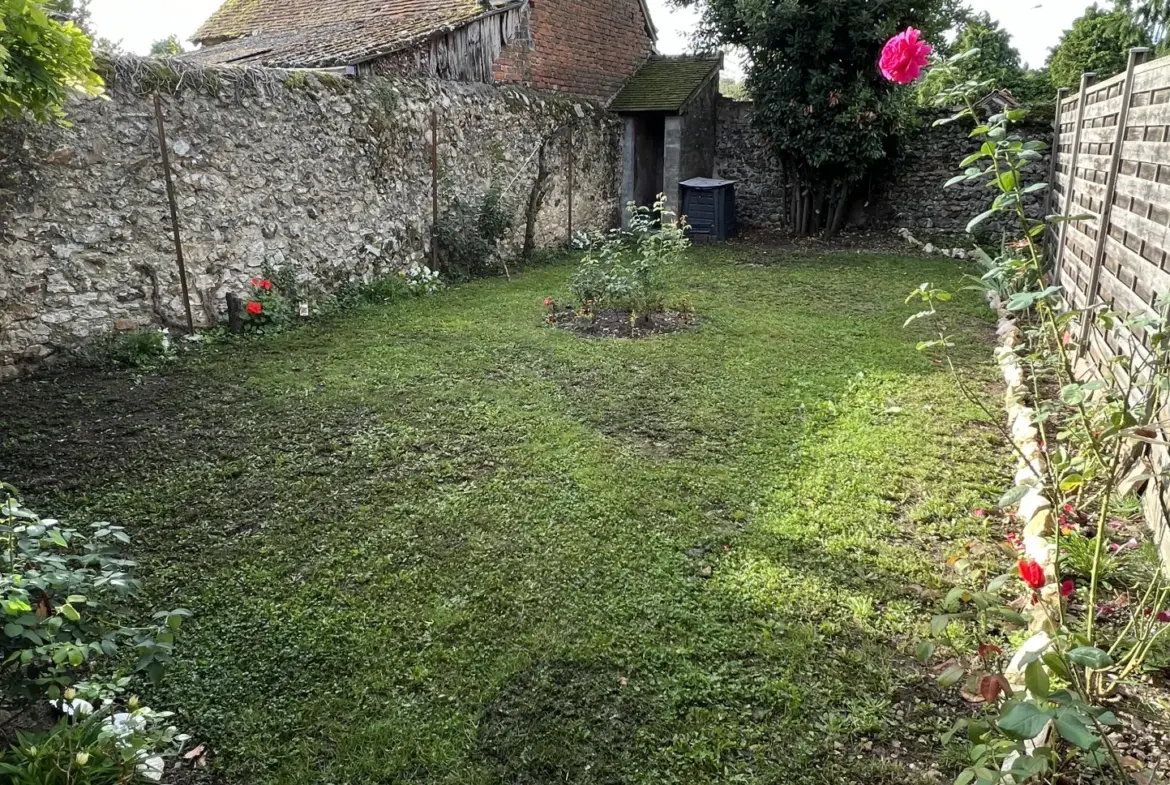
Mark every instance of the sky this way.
pixel 1035 25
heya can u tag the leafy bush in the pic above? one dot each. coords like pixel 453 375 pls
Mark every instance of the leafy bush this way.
pixel 94 747
pixel 145 349
pixel 269 307
pixel 626 271
pixel 66 597
pixel 469 233
pixel 41 60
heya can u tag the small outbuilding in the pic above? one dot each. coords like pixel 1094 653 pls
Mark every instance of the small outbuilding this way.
pixel 669 107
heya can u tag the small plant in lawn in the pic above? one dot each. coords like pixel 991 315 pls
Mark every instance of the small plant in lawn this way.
pixel 627 271
pixel 143 349
pixel 421 279
pixel 1084 642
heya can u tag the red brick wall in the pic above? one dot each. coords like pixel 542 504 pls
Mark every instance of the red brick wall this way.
pixel 585 47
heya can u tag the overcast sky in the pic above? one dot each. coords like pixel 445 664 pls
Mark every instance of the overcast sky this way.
pixel 1035 25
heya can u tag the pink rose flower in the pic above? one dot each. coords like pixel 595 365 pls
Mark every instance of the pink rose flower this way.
pixel 904 56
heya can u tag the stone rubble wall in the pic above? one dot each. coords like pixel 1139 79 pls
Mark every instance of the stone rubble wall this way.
pixel 329 177
pixel 911 197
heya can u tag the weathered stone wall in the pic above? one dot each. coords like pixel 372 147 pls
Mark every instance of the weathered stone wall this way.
pixel 911 197
pixel 331 178
pixel 914 197
pixel 742 154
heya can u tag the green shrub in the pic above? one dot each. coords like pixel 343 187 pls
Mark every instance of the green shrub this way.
pixel 91 746
pixel 143 349
pixel 469 233
pixel 66 596
pixel 626 271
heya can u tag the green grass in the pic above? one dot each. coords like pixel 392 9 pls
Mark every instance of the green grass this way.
pixel 441 542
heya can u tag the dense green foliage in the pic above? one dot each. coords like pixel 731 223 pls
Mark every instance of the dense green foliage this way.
pixel 167 47
pixel 469 233
pixel 442 542
pixel 1099 42
pixel 627 271
pixel 828 113
pixel 1152 15
pixel 41 60
pixel 996 63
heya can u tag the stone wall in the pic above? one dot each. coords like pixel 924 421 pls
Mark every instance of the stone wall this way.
pixel 742 154
pixel 328 177
pixel 912 196
pixel 697 157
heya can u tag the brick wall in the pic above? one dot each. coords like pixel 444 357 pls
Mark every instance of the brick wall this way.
pixel 585 47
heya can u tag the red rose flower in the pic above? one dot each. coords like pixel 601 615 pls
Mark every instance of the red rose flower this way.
pixel 1067 587
pixel 1031 573
pixel 255 308
pixel 904 56
pixel 266 285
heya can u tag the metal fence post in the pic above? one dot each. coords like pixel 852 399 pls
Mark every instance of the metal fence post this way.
pixel 1110 188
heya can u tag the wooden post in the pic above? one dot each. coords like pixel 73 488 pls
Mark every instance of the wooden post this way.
pixel 166 160
pixel 235 313
pixel 434 189
pixel 1110 188
pixel 1053 170
pixel 1066 213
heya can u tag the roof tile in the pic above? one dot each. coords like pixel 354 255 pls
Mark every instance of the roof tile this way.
pixel 665 84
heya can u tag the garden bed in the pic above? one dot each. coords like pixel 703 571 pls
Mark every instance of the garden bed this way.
pixel 624 324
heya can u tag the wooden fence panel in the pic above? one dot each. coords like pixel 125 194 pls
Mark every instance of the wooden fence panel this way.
pixel 1112 148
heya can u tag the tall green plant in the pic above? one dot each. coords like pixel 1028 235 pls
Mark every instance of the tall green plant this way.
pixel 1088 434
pixel 41 61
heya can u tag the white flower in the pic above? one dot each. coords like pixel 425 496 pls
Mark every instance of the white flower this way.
pixel 77 707
pixel 152 768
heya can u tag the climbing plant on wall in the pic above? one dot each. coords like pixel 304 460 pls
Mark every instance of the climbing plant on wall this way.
pixel 41 61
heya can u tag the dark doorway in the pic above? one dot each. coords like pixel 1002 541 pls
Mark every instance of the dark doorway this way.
pixel 649 147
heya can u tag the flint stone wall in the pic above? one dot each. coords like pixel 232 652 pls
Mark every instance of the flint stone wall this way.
pixel 910 196
pixel 330 178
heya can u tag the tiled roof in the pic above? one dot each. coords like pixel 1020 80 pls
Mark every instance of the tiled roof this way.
pixel 324 33
pixel 666 84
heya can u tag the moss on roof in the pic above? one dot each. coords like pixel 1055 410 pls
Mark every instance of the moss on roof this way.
pixel 665 84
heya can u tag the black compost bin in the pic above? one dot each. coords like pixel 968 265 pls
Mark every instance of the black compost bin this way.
pixel 709 205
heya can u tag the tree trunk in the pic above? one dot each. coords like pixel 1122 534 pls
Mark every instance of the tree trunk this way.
pixel 839 211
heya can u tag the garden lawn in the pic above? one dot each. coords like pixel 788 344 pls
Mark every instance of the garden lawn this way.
pixel 440 541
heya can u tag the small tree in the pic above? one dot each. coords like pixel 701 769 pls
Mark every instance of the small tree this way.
pixel 829 119
pixel 167 47
pixel 995 60
pixel 1099 42
pixel 41 60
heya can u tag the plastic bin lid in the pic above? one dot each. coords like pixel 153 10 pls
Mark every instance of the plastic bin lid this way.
pixel 706 182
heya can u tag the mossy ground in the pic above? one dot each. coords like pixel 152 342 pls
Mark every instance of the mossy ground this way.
pixel 444 542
